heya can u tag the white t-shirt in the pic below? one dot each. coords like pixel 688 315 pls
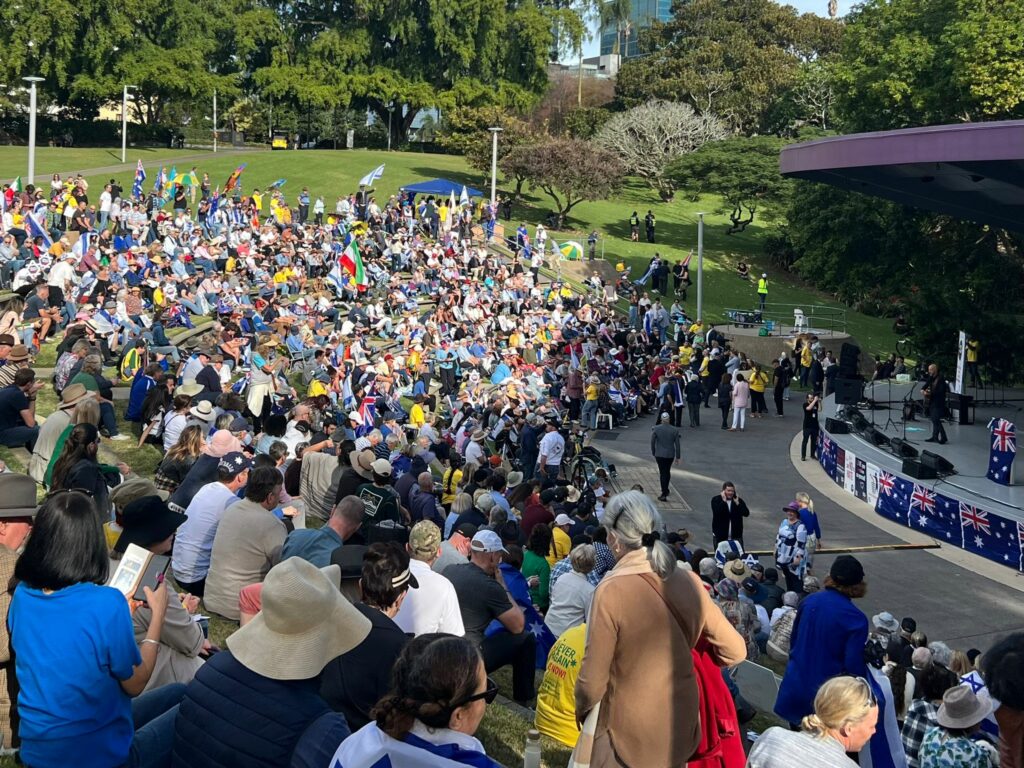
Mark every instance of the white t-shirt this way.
pixel 174 424
pixel 105 200
pixel 570 603
pixel 433 607
pixel 552 446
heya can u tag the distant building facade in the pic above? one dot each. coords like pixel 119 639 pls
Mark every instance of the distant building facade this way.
pixel 643 14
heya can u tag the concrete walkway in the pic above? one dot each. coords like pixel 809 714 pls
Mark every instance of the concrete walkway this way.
pixel 956 597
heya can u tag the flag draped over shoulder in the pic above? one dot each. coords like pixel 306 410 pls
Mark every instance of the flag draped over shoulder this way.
pixel 520 592
pixel 35 229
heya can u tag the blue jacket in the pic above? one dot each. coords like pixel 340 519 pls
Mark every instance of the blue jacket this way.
pixel 828 639
pixel 231 716
pixel 137 395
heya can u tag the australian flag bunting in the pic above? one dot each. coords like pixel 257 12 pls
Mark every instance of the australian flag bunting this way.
pixel 1003 450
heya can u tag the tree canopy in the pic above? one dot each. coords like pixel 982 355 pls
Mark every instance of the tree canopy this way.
pixel 732 58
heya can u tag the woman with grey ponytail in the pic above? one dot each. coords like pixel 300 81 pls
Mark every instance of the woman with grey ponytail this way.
pixel 646 615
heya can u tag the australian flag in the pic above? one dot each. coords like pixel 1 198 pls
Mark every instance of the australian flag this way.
pixel 827 455
pixel 520 591
pixel 140 176
pixel 1003 452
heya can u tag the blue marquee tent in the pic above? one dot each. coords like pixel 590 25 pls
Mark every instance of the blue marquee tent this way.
pixel 440 187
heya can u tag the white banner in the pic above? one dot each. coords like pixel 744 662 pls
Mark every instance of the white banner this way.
pixel 957 385
pixel 851 472
pixel 872 484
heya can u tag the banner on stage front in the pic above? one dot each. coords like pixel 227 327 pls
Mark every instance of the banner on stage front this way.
pixel 851 473
pixel 872 485
pixel 957 385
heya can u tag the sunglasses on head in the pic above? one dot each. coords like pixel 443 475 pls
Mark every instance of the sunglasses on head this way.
pixel 871 694
pixel 489 694
pixel 58 492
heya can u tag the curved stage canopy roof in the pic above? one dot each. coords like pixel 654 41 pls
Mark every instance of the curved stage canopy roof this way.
pixel 972 170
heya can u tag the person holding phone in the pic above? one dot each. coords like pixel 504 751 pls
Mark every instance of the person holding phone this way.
pixel 811 426
pixel 75 652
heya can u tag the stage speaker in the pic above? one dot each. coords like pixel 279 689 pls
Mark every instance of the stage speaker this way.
pixel 962 405
pixel 848 391
pixel 836 427
pixel 875 436
pixel 942 466
pixel 849 361
pixel 902 448
pixel 914 468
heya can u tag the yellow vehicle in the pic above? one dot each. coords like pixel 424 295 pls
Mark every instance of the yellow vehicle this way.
pixel 280 140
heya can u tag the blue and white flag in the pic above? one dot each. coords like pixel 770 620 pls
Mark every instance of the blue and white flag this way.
pixel 140 176
pixel 372 176
pixel 369 747
pixel 82 246
pixel 338 278
pixel 35 229
pixel 464 197
pixel 1003 452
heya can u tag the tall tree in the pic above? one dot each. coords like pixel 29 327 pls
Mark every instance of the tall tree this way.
pixel 615 14
pixel 650 136
pixel 921 62
pixel 568 171
pixel 743 172
pixel 733 58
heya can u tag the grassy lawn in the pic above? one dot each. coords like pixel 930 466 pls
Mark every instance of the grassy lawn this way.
pixel 50 160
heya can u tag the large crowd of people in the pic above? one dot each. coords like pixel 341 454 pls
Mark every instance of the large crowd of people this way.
pixel 374 460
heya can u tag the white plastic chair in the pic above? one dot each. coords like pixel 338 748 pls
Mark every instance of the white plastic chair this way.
pixel 602 416
pixel 799 321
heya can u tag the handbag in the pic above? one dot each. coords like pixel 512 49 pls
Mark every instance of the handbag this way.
pixel 583 752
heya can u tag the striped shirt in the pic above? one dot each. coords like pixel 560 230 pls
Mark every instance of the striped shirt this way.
pixel 780 748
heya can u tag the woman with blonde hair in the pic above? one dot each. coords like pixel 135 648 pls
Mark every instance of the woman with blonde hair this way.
pixel 844 718
pixel 647 614
pixel 810 520
pixel 180 458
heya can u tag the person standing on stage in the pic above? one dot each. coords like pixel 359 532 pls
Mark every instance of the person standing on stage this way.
pixel 972 359
pixel 934 391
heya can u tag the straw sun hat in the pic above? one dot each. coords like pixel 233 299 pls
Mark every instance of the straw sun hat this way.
pixel 305 622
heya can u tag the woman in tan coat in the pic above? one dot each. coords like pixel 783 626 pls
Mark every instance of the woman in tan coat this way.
pixel 647 615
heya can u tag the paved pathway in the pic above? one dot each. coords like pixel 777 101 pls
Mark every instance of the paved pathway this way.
pixel 955 597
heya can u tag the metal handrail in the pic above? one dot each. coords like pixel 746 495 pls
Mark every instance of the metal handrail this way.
pixel 819 317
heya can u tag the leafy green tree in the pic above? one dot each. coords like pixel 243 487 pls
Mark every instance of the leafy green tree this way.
pixel 732 58
pixel 921 62
pixel 466 130
pixel 743 172
pixel 568 171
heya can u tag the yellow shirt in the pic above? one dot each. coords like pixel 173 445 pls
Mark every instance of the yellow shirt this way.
pixel 416 416
pixel 450 485
pixel 316 388
pixel 972 351
pixel 282 275
pixel 592 390
pixel 805 357
pixel 257 200
pixel 685 355
pixel 556 697
pixel 561 544
pixel 758 381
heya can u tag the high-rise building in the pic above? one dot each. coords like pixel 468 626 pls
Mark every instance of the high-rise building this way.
pixel 642 15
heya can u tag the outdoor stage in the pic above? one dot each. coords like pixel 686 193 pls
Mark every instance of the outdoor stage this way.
pixel 963 508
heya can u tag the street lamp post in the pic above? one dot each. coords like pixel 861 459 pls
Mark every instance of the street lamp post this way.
pixel 700 267
pixel 32 80
pixel 124 122
pixel 494 163
pixel 215 120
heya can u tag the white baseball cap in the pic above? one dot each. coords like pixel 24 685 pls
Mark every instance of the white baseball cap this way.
pixel 563 519
pixel 487 541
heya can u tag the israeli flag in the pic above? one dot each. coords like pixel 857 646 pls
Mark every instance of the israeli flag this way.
pixel 369 747
pixel 464 197
pixel 372 176
pixel 338 278
pixel 81 247
pixel 35 229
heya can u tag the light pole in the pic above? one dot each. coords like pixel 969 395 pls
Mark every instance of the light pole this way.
pixel 494 163
pixel 215 120
pixel 700 267
pixel 32 80
pixel 124 121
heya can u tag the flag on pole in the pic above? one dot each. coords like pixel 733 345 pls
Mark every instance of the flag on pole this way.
pixel 372 176
pixel 464 197
pixel 451 204
pixel 159 181
pixel 17 186
pixel 352 263
pixel 278 184
pixel 232 181
pixel 686 261
pixel 140 176
pixel 35 229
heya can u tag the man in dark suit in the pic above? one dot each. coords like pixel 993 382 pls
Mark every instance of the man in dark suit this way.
pixel 935 390
pixel 727 513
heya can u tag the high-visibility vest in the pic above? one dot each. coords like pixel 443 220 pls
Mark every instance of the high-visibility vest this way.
pixel 762 285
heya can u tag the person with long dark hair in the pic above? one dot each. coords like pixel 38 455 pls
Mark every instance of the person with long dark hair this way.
pixel 77 467
pixel 439 694
pixel 75 651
